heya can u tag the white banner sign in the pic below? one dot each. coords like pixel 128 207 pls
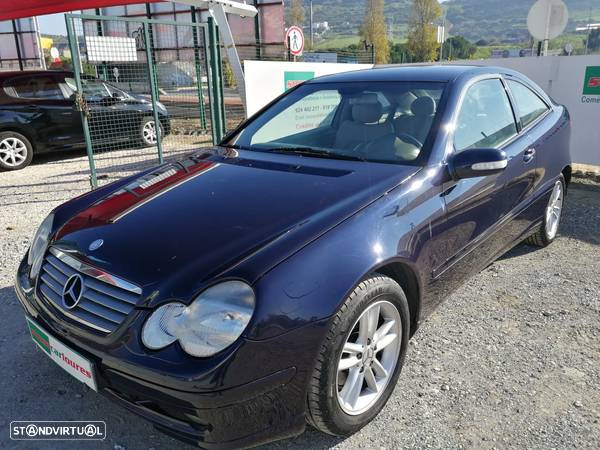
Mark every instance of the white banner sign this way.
pixel 110 48
pixel 266 80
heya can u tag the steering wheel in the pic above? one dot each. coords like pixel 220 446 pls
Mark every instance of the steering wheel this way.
pixel 410 139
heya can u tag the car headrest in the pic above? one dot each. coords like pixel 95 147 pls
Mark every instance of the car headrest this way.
pixel 366 108
pixel 423 106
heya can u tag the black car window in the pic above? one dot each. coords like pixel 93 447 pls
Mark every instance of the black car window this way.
pixel 33 87
pixel 486 119
pixel 529 104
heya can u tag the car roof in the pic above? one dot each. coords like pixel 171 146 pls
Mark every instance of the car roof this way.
pixel 435 73
pixel 16 73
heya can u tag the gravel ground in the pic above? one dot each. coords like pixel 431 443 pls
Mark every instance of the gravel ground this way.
pixel 511 360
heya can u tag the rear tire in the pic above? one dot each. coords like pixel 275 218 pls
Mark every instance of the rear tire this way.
pixel 548 231
pixel 353 378
pixel 16 152
pixel 148 132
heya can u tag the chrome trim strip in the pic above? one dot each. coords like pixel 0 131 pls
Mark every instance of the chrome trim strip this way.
pixel 94 272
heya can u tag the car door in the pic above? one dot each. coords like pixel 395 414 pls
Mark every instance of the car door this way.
pixel 478 209
pixel 46 110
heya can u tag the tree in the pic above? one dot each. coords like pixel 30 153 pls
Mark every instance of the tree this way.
pixel 374 30
pixel 422 37
pixel 457 47
pixel 297 13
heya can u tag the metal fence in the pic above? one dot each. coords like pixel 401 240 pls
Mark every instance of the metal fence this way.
pixel 146 89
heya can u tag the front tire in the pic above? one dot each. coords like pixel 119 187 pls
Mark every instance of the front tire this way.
pixel 547 232
pixel 16 152
pixel 360 359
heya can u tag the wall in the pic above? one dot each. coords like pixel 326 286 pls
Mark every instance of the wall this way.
pixel 564 78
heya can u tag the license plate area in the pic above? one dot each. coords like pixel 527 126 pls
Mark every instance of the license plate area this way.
pixel 68 359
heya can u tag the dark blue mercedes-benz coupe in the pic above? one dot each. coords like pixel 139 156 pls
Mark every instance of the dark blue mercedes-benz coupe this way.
pixel 276 279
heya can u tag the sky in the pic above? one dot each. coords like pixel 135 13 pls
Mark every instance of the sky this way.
pixel 55 23
pixel 52 24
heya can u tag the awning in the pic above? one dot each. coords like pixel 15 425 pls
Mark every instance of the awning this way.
pixel 27 8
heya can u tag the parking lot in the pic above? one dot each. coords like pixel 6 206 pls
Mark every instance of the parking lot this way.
pixel 510 360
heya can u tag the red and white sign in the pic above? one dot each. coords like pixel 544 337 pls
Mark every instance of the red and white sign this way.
pixel 294 38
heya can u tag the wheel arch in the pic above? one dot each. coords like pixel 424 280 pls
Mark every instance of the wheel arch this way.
pixel 403 274
pixel 29 134
pixel 567 172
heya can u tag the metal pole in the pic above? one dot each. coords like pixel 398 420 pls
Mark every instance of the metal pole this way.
pixel 17 45
pixel 74 47
pixel 153 92
pixel 198 64
pixel 257 32
pixel 216 100
pixel 547 33
pixel 221 82
pixel 311 26
pixel 289 49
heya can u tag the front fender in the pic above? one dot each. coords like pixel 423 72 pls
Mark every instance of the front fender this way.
pixel 312 284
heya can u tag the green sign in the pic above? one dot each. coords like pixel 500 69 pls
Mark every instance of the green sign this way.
pixel 292 79
pixel 591 83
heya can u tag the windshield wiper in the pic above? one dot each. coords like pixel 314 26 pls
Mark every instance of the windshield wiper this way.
pixel 317 153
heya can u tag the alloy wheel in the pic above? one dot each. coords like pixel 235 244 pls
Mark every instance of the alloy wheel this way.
pixel 554 209
pixel 13 151
pixel 369 357
pixel 149 133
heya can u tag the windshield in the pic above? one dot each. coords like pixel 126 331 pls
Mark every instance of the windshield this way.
pixel 387 122
pixel 95 89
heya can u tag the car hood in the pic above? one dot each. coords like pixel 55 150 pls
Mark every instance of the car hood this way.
pixel 173 229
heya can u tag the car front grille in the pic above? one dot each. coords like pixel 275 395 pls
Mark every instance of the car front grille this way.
pixel 105 300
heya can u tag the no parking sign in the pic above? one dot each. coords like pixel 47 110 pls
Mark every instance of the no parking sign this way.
pixel 294 38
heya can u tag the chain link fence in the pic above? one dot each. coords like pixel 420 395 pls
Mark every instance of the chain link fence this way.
pixel 143 87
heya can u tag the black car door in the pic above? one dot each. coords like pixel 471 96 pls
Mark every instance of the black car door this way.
pixel 45 109
pixel 478 209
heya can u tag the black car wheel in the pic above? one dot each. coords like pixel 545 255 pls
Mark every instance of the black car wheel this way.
pixel 16 151
pixel 360 360
pixel 148 131
pixel 547 232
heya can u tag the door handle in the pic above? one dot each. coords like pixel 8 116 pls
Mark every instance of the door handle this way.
pixel 529 155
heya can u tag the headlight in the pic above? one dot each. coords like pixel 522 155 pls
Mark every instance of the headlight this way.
pixel 211 323
pixel 161 107
pixel 38 246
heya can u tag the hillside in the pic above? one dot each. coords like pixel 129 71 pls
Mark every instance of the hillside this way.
pixel 499 20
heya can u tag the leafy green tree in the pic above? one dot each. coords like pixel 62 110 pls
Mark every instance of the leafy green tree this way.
pixel 422 37
pixel 297 13
pixel 457 47
pixel 399 54
pixel 374 30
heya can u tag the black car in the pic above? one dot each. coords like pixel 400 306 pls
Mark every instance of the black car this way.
pixel 37 115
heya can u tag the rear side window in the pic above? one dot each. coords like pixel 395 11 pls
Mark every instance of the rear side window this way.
pixel 33 87
pixel 486 119
pixel 529 104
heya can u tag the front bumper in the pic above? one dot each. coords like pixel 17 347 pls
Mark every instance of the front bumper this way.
pixel 268 408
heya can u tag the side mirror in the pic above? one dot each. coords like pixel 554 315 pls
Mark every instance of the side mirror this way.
pixel 118 96
pixel 477 162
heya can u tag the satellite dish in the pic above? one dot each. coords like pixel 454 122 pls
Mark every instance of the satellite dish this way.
pixel 547 19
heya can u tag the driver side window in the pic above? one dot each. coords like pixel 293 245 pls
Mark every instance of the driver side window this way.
pixel 486 119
